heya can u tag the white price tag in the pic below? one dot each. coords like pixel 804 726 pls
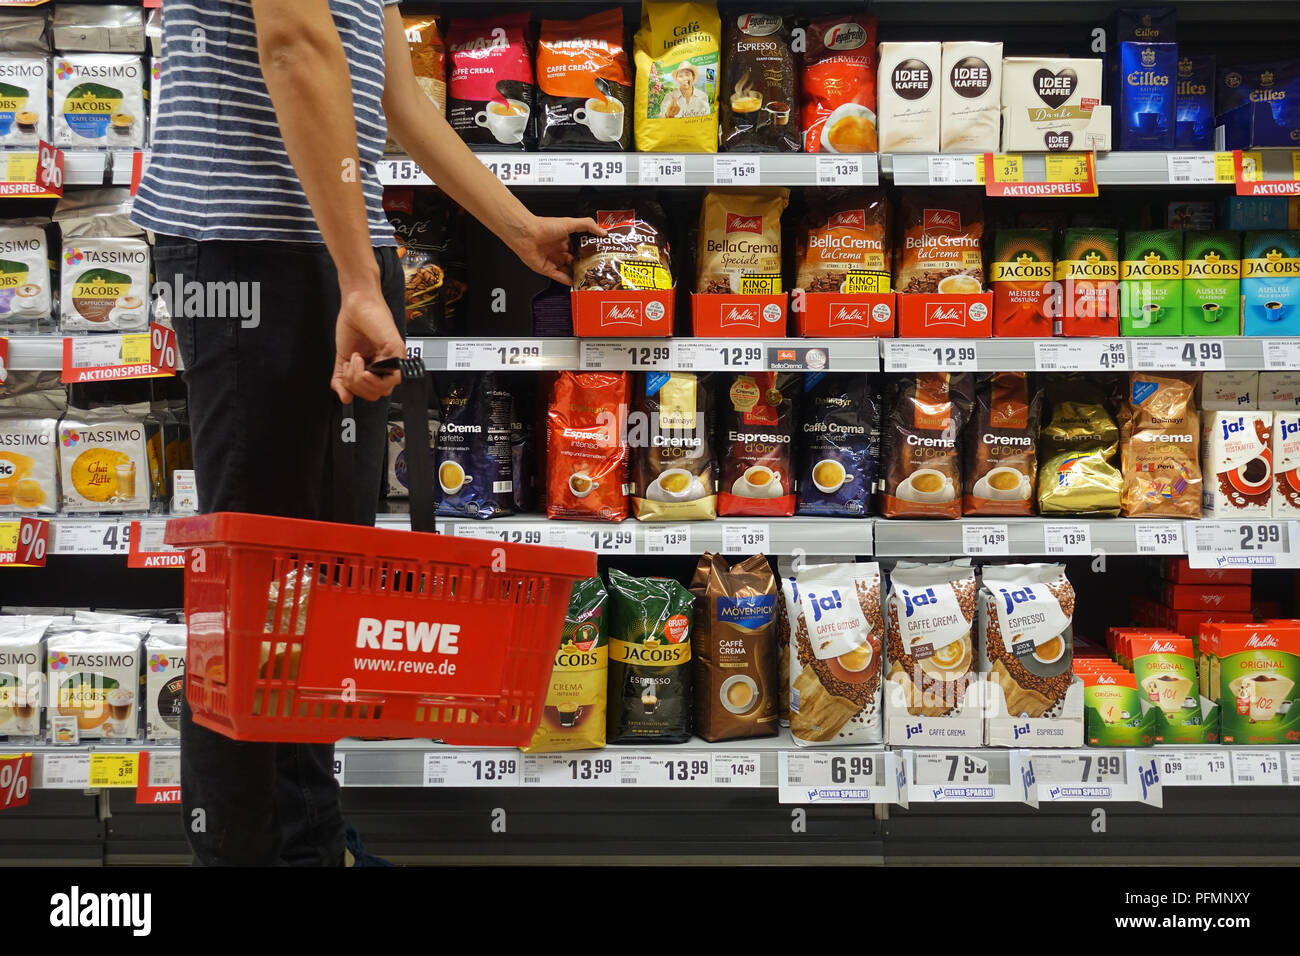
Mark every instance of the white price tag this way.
pixel 96 351
pixel 818 776
pixel 944 355
pixel 504 532
pixel 1158 537
pixel 654 169
pixel 736 769
pixel 340 768
pixel 415 348
pixel 513 169
pixel 582 170
pixel 1281 355
pixel 1193 768
pixel 663 769
pixel 488 354
pixel 672 539
pixel 90 537
pixel 839 170
pixel 1293 768
pixel 710 356
pixel 165 768
pixel 1156 354
pixel 151 537
pixel 185 494
pixel 735 170
pixel 401 172
pixel 1241 544
pixel 1080 355
pixel 746 539
pixel 955 170
pixel 624 356
pixel 1257 768
pixel 602 540
pixel 65 771
pixel 1190 168
pixel 1067 538
pixel 569 770
pixel 961 769
pixel 981 539
pixel 480 769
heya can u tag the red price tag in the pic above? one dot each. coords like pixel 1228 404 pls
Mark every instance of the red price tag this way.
pixel 33 542
pixel 15 781
pixel 1249 183
pixel 49 169
pixel 151 789
pixel 139 160
pixel 162 348
pixel 1067 175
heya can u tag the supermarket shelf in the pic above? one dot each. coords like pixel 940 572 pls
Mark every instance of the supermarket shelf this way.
pixel 1025 537
pixel 1130 168
pixel 36 353
pixel 1153 353
pixel 84 167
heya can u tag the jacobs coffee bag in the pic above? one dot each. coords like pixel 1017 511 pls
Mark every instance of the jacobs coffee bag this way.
pixel 841 245
pixel 740 241
pixel 836 646
pixel 678 53
pixel 1021 276
pixel 758 101
pixel 584 83
pixel 586 447
pixel 649 660
pixel 925 415
pixel 756 444
pixel 839 446
pixel 1001 461
pixel 670 432
pixel 1087 269
pixel 491 94
pixel 839 85
pixel 472 452
pixel 1160 439
pixel 733 649
pixel 574 715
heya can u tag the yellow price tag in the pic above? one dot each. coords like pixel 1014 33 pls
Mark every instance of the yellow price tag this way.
pixel 135 349
pixel 1295 166
pixel 1008 168
pixel 114 770
pixel 1252 167
pixel 9 535
pixel 1224 170
pixel 21 168
pixel 1066 167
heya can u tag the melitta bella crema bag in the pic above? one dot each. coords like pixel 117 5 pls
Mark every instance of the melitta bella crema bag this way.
pixel 678 52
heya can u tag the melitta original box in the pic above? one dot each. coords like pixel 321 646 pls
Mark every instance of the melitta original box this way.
pixel 843 314
pixel 945 315
pixel 1112 708
pixel 1255 672
pixel 625 312
pixel 739 316
pixel 1169 685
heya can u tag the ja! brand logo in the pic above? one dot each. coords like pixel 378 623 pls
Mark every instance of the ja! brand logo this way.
pixel 912 730
pixel 1018 596
pixel 830 602
pixel 1019 730
pixel 1149 776
pixel 914 599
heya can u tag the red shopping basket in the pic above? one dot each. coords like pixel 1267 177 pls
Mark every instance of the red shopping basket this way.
pixel 308 631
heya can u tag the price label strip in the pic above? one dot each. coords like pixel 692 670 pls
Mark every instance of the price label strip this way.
pixel 510 533
pixel 955 170
pixel 1257 768
pixel 819 777
pixel 940 355
pixel 1281 355
pixel 839 170
pixel 91 537
pixel 401 172
pixel 708 356
pixel 489 354
pixel 513 169
pixel 485 769
pixel 624 355
pixel 664 769
pixel 661 170
pixel 735 170
pixel 746 539
pixel 1156 354
pixel 1187 169
pixel 601 540
pixel 148 550
pixel 159 777
pixel 1249 174
pixel 740 769
pixel 1069 175
pixel 69 771
pixel 1074 776
pixel 571 770
pixel 114 770
pixel 1242 544
pixel 107 358
pixel 974 776
pixel 1194 768
pixel 581 171
pixel 1081 355
pixel 1293 768
pixel 1060 537
pixel 670 539
pixel 1163 537
pixel 985 539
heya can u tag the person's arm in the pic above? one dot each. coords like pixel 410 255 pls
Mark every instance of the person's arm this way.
pixel 307 75
pixel 542 243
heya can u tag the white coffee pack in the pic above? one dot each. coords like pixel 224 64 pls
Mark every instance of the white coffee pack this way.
pixel 164 680
pixel 93 684
pixel 22 679
pixel 98 100
pixel 1048 102
pixel 104 459
pixel 25 287
pixel 1286 464
pixel 970 97
pixel 155 94
pixel 908 97
pixel 95 28
pixel 31 404
pixel 1226 391
pixel 105 285
pixel 1237 466
pixel 24 100
pixel 1279 391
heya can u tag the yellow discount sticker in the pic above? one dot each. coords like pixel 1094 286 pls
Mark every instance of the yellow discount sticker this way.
pixel 21 168
pixel 1225 170
pixel 1066 167
pixel 1295 165
pixel 114 770
pixel 135 349
pixel 1008 168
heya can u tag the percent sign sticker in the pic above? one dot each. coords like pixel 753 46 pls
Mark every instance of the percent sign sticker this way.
pixel 51 168
pixel 33 541
pixel 162 348
pixel 15 780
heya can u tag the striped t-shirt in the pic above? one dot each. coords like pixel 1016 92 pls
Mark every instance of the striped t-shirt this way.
pixel 219 168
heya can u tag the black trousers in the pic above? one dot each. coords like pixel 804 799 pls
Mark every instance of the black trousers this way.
pixel 263 421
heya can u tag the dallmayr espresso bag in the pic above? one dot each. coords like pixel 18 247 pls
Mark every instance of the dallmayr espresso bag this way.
pixel 649 660
pixel 756 428
pixel 1160 446
pixel 840 433
pixel 733 649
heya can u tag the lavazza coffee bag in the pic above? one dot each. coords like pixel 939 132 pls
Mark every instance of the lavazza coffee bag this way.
pixel 585 83
pixel 491 94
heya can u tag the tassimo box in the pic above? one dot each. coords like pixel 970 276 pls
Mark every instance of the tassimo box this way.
pixel 93 685
pixel 164 680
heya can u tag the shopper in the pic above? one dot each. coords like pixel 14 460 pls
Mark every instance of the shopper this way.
pixel 271 119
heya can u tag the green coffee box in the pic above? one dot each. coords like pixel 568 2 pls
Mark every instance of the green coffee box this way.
pixel 1255 669
pixel 1211 283
pixel 1112 709
pixel 1151 283
pixel 1167 681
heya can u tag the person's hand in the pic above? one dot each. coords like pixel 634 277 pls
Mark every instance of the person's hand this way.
pixel 544 245
pixel 673 110
pixel 364 333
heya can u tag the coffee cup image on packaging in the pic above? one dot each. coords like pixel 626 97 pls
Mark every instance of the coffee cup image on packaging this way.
pixel 1270 282
pixel 582 484
pixel 739 694
pixel 758 481
pixel 1004 483
pixel 927 485
pixel 603 117
pixel 676 484
pixel 829 476
pixel 506 120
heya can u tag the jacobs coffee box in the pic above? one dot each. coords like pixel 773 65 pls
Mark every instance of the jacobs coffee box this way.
pixel 1211 283
pixel 1087 271
pixel 1151 283
pixel 1021 274
pixel 1270 283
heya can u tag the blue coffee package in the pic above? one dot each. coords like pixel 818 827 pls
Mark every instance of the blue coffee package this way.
pixel 473 454
pixel 1270 283
pixel 840 432
pixel 1145 94
pixel 1146 25
pixel 1244 213
pixel 1258 104
pixel 1194 126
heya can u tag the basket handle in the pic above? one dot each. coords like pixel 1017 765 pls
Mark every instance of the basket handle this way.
pixel 419 457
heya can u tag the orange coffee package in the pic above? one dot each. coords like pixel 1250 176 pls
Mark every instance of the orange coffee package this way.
pixel 1160 446
pixel 926 413
pixel 585 83
pixel 842 245
pixel 839 85
pixel 587 455
pixel 1001 462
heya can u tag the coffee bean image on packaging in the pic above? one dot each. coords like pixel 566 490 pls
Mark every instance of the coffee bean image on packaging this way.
pixel 757 100
pixel 1151 283
pixel 649 660
pixel 931 648
pixel 1026 636
pixel 1212 283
